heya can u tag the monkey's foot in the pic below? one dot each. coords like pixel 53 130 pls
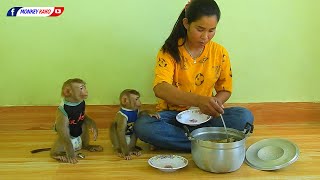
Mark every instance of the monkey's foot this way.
pixel 126 157
pixel 65 159
pixel 94 148
pixel 136 151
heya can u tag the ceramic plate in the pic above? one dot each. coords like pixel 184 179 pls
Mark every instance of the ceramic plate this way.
pixel 192 117
pixel 272 154
pixel 168 163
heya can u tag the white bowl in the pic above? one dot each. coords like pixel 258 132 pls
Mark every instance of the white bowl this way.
pixel 168 163
pixel 192 117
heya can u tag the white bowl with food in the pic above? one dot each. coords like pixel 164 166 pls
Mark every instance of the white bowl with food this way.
pixel 168 163
pixel 192 117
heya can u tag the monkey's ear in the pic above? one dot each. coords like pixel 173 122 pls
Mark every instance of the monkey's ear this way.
pixel 124 100
pixel 66 92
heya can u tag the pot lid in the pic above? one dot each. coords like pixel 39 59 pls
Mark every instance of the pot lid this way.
pixel 272 154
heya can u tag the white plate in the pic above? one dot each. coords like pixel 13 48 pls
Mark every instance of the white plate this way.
pixel 272 154
pixel 192 117
pixel 168 163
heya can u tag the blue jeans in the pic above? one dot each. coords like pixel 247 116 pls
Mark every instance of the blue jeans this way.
pixel 168 133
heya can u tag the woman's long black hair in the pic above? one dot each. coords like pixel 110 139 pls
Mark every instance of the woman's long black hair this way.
pixel 193 12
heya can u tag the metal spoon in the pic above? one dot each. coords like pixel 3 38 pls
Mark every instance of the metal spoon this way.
pixel 225 128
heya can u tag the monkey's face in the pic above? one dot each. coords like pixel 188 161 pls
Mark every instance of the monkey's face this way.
pixel 78 92
pixel 134 102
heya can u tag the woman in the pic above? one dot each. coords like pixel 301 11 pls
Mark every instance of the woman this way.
pixel 189 68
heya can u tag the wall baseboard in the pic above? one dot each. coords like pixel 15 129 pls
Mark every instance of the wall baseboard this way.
pixel 43 117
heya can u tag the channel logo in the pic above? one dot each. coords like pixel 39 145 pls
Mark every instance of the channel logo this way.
pixel 35 11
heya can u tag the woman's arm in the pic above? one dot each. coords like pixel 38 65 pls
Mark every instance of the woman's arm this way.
pixel 222 96
pixel 172 95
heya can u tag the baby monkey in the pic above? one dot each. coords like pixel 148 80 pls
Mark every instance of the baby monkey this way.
pixel 122 134
pixel 72 124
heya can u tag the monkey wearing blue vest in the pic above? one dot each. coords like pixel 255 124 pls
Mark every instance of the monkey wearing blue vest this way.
pixel 122 134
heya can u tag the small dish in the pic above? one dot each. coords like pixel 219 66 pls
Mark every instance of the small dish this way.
pixel 192 117
pixel 272 154
pixel 168 163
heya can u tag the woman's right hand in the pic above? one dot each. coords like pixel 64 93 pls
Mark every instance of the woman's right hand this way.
pixel 211 106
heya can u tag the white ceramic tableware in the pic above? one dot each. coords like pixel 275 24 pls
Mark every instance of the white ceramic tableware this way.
pixel 168 163
pixel 192 117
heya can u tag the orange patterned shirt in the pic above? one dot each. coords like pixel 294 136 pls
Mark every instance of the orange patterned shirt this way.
pixel 211 71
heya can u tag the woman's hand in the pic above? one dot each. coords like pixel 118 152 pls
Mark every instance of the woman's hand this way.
pixel 211 106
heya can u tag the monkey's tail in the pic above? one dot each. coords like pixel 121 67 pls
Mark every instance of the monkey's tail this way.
pixel 40 150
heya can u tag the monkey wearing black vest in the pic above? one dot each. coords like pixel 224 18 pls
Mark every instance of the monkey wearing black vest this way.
pixel 72 124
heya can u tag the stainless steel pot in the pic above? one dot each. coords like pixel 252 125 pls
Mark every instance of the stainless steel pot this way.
pixel 218 157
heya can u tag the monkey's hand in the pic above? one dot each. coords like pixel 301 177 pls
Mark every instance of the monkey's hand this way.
pixel 156 115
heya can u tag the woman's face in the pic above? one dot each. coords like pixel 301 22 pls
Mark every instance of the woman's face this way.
pixel 200 32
